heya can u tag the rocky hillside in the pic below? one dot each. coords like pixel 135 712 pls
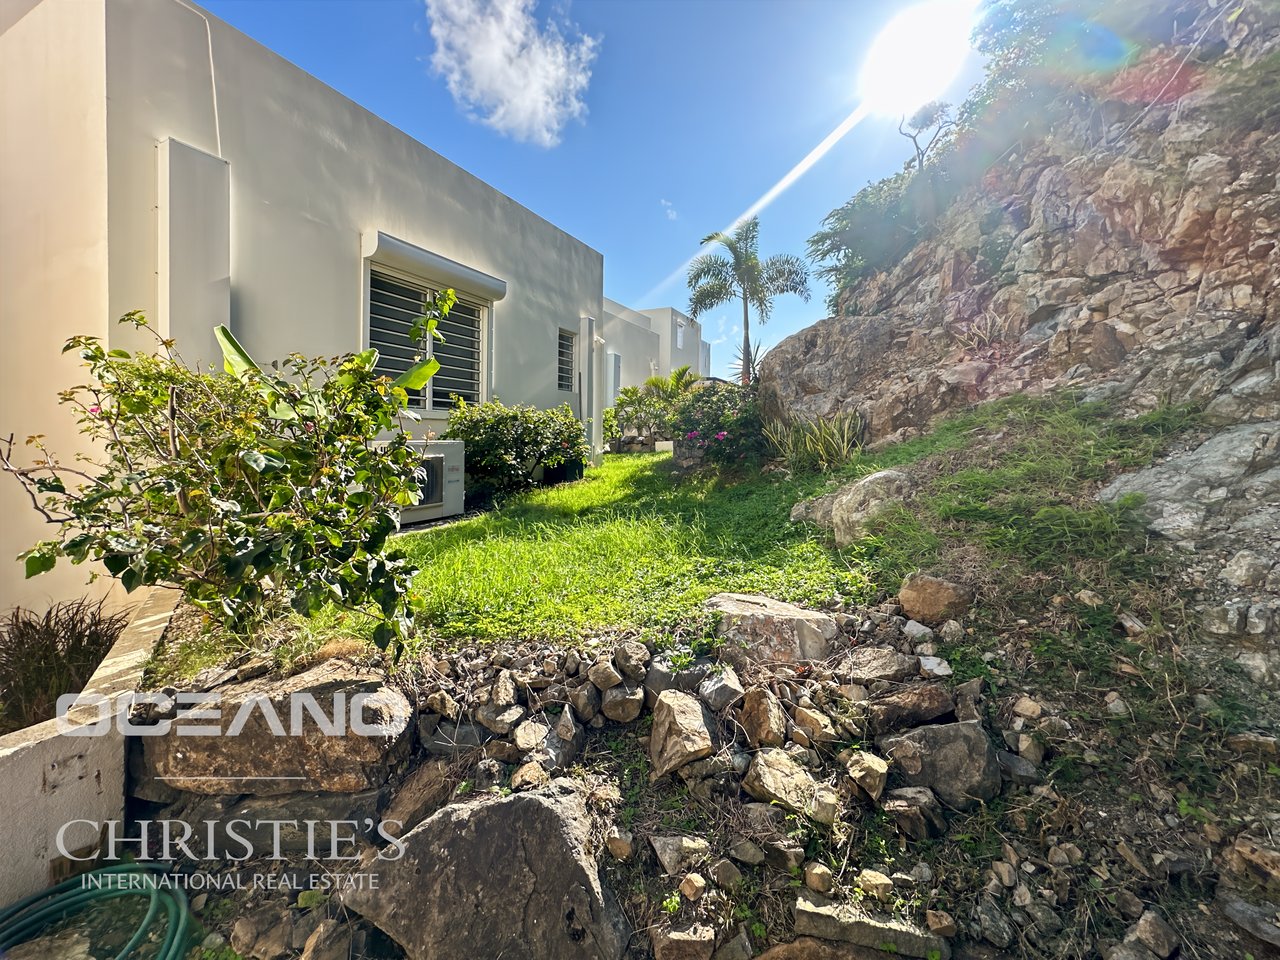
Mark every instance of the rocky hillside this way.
pixel 1129 254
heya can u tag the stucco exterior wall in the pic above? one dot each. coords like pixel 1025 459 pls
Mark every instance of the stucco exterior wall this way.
pixel 627 333
pixel 675 352
pixel 310 173
pixel 129 124
pixel 53 251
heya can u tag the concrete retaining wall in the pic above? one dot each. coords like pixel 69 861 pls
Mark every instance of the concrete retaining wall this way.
pixel 52 778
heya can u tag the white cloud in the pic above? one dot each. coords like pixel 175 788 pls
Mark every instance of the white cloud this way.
pixel 669 209
pixel 524 78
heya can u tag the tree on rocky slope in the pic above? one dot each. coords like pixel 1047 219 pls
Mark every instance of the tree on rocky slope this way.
pixel 715 279
pixel 933 119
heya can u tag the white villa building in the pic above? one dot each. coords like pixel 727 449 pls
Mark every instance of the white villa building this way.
pixel 152 157
pixel 643 343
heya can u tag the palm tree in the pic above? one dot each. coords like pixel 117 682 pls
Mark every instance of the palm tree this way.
pixel 716 280
pixel 668 388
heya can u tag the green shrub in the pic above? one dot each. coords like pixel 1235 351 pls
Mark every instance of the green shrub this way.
pixel 723 419
pixel 253 492
pixel 609 425
pixel 642 410
pixel 566 440
pixel 43 656
pixel 505 444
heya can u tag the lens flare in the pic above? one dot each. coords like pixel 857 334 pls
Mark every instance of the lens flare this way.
pixel 917 56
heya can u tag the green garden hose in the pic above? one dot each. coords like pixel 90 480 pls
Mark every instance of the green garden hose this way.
pixel 26 919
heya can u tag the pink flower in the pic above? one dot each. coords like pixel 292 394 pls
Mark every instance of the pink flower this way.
pixel 721 435
pixel 95 409
pixel 691 435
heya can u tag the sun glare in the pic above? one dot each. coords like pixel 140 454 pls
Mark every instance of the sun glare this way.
pixel 914 59
pixel 916 56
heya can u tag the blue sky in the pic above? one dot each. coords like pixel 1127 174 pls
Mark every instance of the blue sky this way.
pixel 639 126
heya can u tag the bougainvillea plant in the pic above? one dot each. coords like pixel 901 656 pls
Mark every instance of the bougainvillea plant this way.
pixel 252 491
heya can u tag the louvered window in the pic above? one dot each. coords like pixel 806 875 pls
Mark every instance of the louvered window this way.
pixel 564 367
pixel 394 304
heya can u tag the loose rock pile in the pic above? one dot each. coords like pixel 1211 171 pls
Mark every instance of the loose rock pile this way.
pixel 803 716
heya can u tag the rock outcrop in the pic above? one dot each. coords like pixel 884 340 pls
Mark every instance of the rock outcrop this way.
pixel 1137 261
pixel 512 877
pixel 1132 260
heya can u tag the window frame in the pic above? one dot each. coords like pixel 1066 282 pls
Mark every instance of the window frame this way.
pixel 561 334
pixel 484 308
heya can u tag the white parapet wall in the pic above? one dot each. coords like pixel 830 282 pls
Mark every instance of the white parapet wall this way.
pixel 52 778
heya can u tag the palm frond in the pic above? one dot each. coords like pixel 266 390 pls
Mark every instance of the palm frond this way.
pixel 707 267
pixel 710 294
pixel 784 273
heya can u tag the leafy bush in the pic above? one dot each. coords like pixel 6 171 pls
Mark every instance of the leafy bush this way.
pixel 817 444
pixel 253 492
pixel 506 444
pixel 609 425
pixel 565 438
pixel 642 411
pixel 43 656
pixel 723 419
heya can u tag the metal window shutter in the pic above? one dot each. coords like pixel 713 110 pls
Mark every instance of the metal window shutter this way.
pixel 393 307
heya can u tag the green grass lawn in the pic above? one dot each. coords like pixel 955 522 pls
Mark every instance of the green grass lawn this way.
pixel 627 547
pixel 633 547
pixel 1006 496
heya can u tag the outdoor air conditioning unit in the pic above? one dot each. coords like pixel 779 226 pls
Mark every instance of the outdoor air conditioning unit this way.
pixel 443 464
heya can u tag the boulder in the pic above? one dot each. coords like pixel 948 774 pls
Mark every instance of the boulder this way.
pixel 756 628
pixel 817 916
pixel 508 877
pixel 622 702
pixel 284 823
pixel 604 674
pixel 330 940
pixel 721 689
pixel 682 941
pixel 816 724
pixel 681 733
pixel 916 811
pixel 561 745
pixel 1231 474
pixel 450 739
pixel 866 665
pixel 775 777
pixel 857 503
pixel 665 675
pixel 632 658
pixel 424 791
pixel 912 706
pixel 955 760
pixel 1255 863
pixel 530 734
pixel 932 600
pixel 867 770
pixel 763 719
pixel 737 947
pixel 270 754
pixel 678 853
pixel 1153 933
pixel 1258 920
pixel 585 699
